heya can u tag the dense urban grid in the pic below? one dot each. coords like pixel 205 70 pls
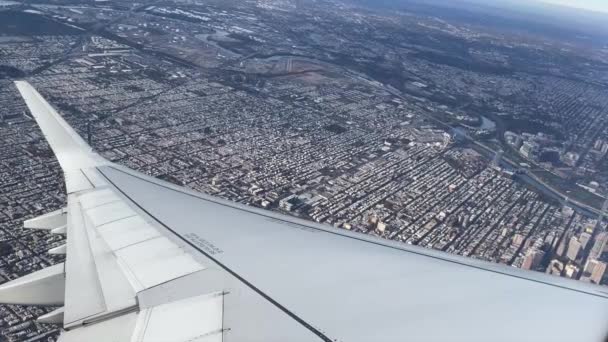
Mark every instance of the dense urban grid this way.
pixel 434 132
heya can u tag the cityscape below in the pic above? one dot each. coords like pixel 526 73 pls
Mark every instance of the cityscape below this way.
pixel 420 124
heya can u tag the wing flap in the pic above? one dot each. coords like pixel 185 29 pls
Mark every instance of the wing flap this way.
pixel 49 221
pixel 193 319
pixel 53 317
pixel 118 329
pixel 84 295
pixel 44 287
pixel 169 261
pixel 113 254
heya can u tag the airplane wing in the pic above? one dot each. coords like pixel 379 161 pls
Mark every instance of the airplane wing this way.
pixel 148 261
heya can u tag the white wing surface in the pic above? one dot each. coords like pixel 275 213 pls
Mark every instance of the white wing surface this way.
pixel 149 261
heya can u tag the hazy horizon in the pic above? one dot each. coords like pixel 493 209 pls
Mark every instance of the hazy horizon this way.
pixel 590 5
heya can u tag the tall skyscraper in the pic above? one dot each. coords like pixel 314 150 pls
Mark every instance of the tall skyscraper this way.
pixel 584 239
pixel 602 215
pixel 497 158
pixel 574 248
pixel 599 246
pixel 563 245
pixel 533 259
pixel 518 141
pixel 598 272
pixel 594 271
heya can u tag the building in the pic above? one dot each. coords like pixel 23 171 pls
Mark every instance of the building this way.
pixel 529 149
pixel 571 271
pixel 585 237
pixel 514 139
pixel 574 249
pixel 518 141
pixel 594 271
pixel 372 220
pixel 497 159
pixel 381 226
pixel 289 203
pixel 567 210
pixel 555 268
pixel 533 259
pixel 598 272
pixel 570 158
pixel 599 246
pixel 561 248
pixel 518 239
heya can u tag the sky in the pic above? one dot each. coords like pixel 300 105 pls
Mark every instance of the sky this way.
pixel 593 5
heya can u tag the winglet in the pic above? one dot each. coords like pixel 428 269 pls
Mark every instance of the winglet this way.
pixel 71 150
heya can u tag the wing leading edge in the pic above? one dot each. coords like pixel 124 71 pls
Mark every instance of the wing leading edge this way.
pixel 163 263
pixel 115 255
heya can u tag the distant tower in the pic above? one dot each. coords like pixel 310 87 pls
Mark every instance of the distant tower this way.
pixel 567 210
pixel 288 65
pixel 532 259
pixel 601 216
pixel 574 249
pixel 599 246
pixel 598 272
pixel 518 141
pixel 497 158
